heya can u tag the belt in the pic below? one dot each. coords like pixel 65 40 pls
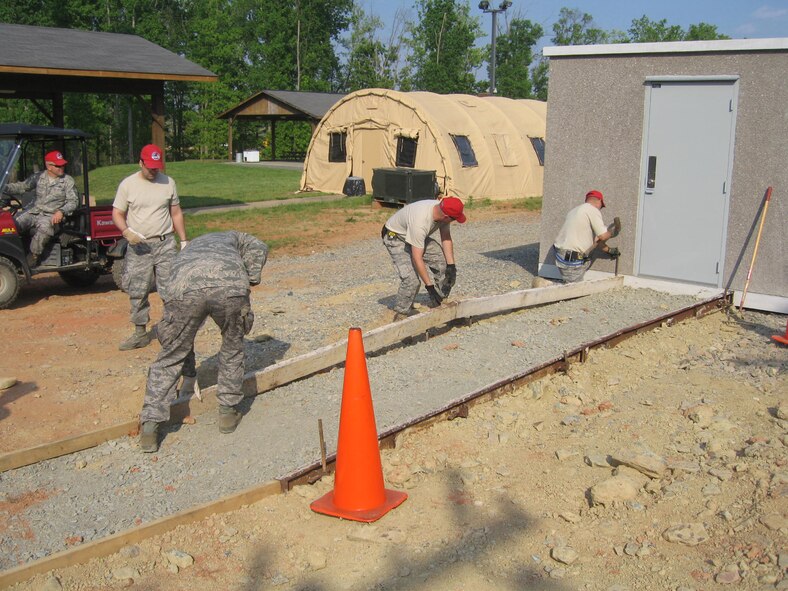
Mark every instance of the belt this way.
pixel 160 238
pixel 386 233
pixel 570 255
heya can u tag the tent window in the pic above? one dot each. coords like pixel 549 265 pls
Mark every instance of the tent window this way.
pixel 406 151
pixel 465 150
pixel 337 151
pixel 505 151
pixel 538 144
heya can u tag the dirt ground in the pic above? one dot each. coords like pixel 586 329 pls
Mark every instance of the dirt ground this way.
pixel 531 491
pixel 657 465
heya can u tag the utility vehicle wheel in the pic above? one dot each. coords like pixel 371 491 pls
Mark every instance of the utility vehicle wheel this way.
pixel 117 272
pixel 80 278
pixel 9 283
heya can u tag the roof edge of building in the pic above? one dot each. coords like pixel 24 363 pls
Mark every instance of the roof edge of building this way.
pixel 725 45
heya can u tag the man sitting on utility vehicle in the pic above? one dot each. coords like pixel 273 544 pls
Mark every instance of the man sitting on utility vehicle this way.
pixel 56 197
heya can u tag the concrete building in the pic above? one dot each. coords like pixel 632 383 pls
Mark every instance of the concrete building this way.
pixel 683 139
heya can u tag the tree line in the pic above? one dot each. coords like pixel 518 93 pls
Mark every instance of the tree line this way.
pixel 308 45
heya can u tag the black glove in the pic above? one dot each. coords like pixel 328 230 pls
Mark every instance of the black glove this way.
pixel 451 275
pixel 435 297
pixel 613 252
pixel 450 280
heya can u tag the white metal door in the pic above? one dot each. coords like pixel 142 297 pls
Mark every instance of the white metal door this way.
pixel 687 164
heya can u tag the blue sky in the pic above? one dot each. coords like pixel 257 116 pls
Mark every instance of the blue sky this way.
pixel 736 18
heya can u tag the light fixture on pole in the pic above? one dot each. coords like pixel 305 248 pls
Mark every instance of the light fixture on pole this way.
pixel 484 5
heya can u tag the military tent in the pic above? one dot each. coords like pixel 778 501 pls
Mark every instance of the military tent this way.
pixel 481 147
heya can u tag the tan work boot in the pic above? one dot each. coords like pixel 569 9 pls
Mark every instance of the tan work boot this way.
pixel 541 282
pixel 228 419
pixel 138 340
pixel 149 437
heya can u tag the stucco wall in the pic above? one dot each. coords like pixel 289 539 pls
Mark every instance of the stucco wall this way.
pixel 595 129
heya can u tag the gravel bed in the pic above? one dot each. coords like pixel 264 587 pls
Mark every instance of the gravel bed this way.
pixel 111 488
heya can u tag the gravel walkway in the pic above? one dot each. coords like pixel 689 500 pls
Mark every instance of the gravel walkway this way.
pixel 305 303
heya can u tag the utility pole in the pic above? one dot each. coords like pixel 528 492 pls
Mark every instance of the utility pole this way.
pixel 484 5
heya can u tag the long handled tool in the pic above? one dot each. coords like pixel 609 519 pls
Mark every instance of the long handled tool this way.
pixel 755 251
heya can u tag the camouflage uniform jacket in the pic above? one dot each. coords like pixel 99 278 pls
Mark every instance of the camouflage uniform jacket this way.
pixel 230 260
pixel 51 195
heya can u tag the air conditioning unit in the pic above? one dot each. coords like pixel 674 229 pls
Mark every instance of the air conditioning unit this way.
pixel 402 185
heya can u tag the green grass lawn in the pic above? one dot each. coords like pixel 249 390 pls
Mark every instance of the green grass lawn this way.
pixel 303 226
pixel 203 183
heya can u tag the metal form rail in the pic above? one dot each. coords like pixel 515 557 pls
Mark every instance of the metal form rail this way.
pixel 311 473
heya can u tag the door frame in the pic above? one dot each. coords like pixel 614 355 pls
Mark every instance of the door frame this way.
pixel 648 81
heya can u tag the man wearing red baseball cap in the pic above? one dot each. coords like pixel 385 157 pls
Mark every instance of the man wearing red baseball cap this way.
pixel 56 197
pixel 582 232
pixel 417 256
pixel 148 212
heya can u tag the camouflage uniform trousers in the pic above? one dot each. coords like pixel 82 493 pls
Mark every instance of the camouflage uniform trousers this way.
pixel 177 329
pixel 410 283
pixel 40 228
pixel 147 263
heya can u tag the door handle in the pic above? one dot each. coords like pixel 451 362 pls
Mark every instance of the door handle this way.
pixel 651 175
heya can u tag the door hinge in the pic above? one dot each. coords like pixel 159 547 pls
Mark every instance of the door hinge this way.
pixel 724 187
pixel 717 270
pixel 730 106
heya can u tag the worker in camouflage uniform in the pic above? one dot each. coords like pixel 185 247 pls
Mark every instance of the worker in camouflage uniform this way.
pixel 210 278
pixel 148 212
pixel 418 257
pixel 56 198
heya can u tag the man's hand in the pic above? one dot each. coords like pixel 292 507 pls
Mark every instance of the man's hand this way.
pixel 613 252
pixel 133 236
pixel 57 217
pixel 184 244
pixel 435 298
pixel 451 279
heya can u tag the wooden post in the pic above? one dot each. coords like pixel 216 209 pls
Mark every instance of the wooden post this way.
pixel 230 136
pixel 58 119
pixel 157 119
pixel 273 139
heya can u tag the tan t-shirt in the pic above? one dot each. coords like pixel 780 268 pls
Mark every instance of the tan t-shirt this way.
pixel 581 227
pixel 147 203
pixel 414 222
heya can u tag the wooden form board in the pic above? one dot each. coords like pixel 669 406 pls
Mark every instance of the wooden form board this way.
pixel 326 357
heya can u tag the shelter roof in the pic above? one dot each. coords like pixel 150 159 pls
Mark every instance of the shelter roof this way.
pixel 284 104
pixel 26 49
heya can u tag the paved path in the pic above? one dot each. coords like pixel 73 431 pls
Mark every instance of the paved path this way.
pixel 257 204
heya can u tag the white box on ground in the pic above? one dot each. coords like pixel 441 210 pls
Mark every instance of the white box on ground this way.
pixel 251 155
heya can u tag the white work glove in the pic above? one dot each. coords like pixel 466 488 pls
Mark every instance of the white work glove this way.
pixel 614 228
pixel 184 244
pixel 133 236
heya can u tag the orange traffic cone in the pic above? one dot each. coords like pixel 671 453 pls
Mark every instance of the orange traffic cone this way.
pixel 780 338
pixel 358 485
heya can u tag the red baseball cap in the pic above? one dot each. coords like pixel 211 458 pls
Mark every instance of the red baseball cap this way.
pixel 55 157
pixel 152 156
pixel 452 207
pixel 597 195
